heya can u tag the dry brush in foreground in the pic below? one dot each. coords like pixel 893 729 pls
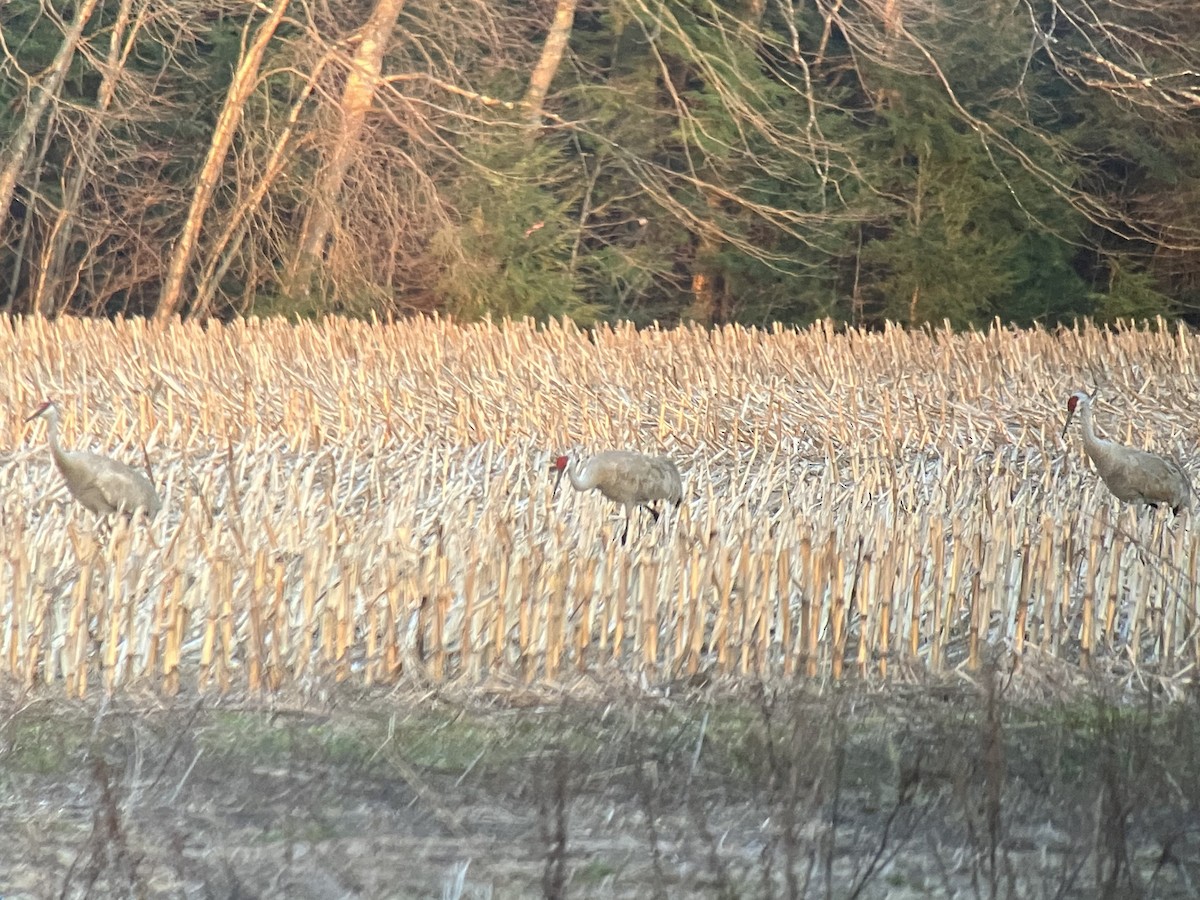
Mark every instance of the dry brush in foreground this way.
pixel 353 501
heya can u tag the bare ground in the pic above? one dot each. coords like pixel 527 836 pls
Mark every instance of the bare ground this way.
pixel 903 792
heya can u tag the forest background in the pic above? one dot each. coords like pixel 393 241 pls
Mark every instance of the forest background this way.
pixel 749 161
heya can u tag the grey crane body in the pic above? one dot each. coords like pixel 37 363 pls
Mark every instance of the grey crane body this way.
pixel 102 485
pixel 1131 474
pixel 625 477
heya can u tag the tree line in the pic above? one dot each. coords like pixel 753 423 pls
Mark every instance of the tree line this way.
pixel 751 160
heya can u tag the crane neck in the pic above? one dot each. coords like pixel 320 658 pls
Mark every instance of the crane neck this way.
pixel 1092 443
pixel 51 417
pixel 577 480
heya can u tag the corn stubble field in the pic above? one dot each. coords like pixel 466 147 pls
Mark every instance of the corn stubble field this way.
pixel 354 502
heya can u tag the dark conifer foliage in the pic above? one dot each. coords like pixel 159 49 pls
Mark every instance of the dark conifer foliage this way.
pixel 755 161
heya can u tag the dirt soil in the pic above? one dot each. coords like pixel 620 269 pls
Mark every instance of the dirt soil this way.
pixel 897 793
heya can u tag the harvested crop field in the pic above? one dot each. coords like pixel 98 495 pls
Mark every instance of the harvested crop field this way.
pixel 368 504
pixel 897 642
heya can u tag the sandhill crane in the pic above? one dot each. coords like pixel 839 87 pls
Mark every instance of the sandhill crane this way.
pixel 1133 475
pixel 631 479
pixel 103 485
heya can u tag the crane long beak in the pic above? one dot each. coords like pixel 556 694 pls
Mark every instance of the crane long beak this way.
pixel 557 482
pixel 34 415
pixel 1067 423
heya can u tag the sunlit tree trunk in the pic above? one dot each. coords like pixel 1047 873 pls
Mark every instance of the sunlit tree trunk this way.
pixel 47 85
pixel 914 300
pixel 891 21
pixel 225 246
pixel 357 98
pixel 52 291
pixel 245 78
pixel 710 291
pixel 552 53
pixel 708 284
pixel 704 308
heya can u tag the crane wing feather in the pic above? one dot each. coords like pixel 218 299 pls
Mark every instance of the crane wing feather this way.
pixel 106 486
pixel 628 477
pixel 127 489
pixel 1138 475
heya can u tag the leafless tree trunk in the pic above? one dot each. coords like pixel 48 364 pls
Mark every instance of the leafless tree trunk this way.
pixel 356 100
pixel 245 78
pixel 708 284
pixel 706 306
pixel 51 290
pixel 48 85
pixel 892 20
pixel 227 245
pixel 916 217
pixel 548 63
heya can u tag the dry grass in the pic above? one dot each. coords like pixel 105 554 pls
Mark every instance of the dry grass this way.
pixel 347 501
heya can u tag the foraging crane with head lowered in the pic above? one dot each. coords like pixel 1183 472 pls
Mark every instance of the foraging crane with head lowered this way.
pixel 1133 475
pixel 102 485
pixel 631 479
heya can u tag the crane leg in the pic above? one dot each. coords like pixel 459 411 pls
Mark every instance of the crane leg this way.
pixel 629 508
